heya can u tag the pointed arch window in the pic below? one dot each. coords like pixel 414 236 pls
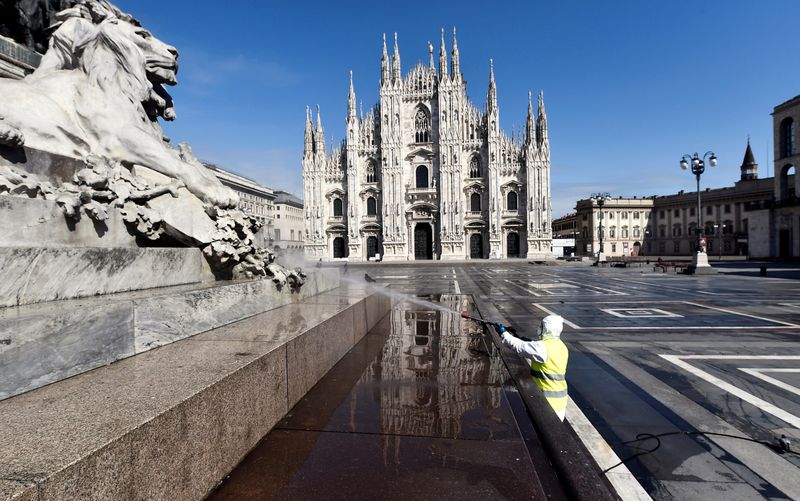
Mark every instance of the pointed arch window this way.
pixel 422 126
pixel 372 176
pixel 511 200
pixel 475 202
pixel 474 168
pixel 372 206
pixel 338 209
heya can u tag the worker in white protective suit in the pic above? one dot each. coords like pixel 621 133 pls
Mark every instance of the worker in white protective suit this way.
pixel 547 357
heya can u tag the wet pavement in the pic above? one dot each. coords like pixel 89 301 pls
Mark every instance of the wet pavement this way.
pixel 660 353
pixel 422 408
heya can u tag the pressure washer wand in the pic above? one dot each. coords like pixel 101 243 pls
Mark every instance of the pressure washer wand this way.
pixel 465 314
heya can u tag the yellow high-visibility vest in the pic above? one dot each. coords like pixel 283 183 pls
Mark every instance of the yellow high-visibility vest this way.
pixel 550 376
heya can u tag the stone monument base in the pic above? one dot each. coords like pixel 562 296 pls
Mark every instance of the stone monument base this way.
pixel 171 423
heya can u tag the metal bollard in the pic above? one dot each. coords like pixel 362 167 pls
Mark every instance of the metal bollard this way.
pixel 763 271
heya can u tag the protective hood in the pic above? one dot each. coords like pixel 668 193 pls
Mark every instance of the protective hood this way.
pixel 551 326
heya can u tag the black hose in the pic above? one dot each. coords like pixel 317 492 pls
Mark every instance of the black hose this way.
pixel 649 436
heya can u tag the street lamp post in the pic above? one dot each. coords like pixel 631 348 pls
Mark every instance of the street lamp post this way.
pixel 600 199
pixel 700 260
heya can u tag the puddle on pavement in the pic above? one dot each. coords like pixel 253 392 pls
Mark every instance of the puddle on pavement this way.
pixel 417 407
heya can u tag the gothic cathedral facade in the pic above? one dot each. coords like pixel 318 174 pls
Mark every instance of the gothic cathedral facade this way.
pixel 425 174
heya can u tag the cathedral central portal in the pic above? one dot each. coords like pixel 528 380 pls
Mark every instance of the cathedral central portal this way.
pixel 426 174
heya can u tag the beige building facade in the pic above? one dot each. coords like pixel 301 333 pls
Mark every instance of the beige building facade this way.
pixel 737 221
pixel 254 199
pixel 786 215
pixel 289 224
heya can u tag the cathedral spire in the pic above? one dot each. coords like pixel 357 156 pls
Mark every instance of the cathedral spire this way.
pixel 351 100
pixel 384 62
pixel 396 61
pixel 491 98
pixel 530 127
pixel 456 69
pixel 319 134
pixel 430 53
pixel 308 147
pixel 541 122
pixel 442 58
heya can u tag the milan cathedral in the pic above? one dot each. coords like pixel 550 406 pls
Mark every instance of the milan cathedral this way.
pixel 425 174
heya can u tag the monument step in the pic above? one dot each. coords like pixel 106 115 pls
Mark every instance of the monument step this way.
pixel 172 422
pixel 37 274
pixel 47 342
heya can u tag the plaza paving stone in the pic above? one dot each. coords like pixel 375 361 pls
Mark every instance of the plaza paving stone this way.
pixel 623 327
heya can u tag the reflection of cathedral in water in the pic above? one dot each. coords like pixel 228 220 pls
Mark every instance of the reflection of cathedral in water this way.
pixel 433 369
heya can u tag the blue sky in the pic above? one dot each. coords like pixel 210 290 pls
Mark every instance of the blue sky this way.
pixel 629 86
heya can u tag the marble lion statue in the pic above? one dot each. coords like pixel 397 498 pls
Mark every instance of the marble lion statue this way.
pixel 100 90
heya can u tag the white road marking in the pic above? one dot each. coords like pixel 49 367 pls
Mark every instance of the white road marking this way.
pixel 639 313
pixel 757 372
pixel 733 390
pixel 620 477
pixel 523 288
pixel 742 314
pixel 574 326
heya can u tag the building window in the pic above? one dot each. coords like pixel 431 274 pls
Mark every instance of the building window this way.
pixel 610 215
pixel 624 232
pixel 475 202
pixel 727 208
pixel 337 208
pixel 662 247
pixel 613 247
pixel 676 247
pixel 676 230
pixel 372 206
pixel 371 175
pixel 744 226
pixel 422 126
pixel 662 214
pixel 291 234
pixel 277 234
pixel 662 231
pixel 635 215
pixel 637 232
pixel 728 228
pixel 511 200
pixel 624 215
pixel 709 210
pixel 584 233
pixel 787 134
pixel 474 168
pixel 612 232
pixel 422 176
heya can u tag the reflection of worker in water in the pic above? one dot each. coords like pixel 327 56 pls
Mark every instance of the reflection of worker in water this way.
pixel 548 359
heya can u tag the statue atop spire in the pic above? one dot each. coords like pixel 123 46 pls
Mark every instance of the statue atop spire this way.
pixel 384 63
pixel 351 100
pixel 491 98
pixel 530 127
pixel 456 64
pixel 541 122
pixel 442 58
pixel 396 75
